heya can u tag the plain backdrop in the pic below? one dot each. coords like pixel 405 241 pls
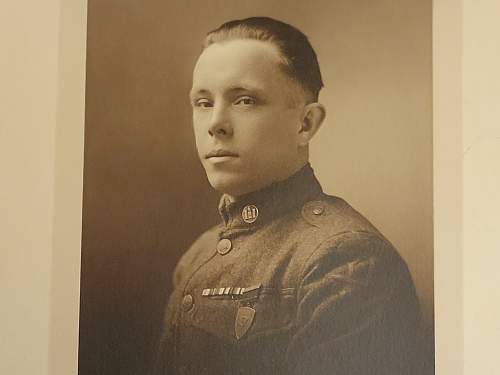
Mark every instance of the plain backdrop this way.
pixel 146 197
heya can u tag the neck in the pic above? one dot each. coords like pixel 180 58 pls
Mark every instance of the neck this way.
pixel 291 172
pixel 272 200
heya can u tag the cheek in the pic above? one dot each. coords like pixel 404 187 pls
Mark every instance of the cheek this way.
pixel 268 141
pixel 199 121
pixel 198 137
pixel 281 129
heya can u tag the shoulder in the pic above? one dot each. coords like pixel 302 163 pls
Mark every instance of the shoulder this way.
pixel 333 215
pixel 329 221
pixel 341 236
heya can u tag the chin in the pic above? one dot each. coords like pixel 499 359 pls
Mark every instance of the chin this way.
pixel 225 185
pixel 230 183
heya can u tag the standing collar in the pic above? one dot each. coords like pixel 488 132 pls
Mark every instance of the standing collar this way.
pixel 257 208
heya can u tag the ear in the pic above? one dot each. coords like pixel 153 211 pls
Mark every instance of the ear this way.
pixel 312 118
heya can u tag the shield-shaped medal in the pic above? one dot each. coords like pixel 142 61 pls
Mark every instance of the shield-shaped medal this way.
pixel 244 320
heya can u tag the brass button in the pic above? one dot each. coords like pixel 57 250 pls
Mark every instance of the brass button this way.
pixel 224 246
pixel 318 210
pixel 187 302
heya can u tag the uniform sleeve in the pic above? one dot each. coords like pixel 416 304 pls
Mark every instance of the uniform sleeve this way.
pixel 357 312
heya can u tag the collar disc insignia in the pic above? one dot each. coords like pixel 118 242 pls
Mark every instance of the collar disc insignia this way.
pixel 249 213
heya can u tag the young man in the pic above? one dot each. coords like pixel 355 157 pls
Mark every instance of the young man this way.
pixel 292 281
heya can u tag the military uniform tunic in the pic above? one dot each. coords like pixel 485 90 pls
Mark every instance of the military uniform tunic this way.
pixel 293 281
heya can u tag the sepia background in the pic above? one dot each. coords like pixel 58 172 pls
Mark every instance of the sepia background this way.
pixel 146 197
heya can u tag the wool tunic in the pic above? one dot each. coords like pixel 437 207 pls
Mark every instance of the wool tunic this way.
pixel 293 281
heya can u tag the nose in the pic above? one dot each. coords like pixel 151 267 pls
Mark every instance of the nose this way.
pixel 220 125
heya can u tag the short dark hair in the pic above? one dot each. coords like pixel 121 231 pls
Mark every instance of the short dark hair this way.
pixel 299 59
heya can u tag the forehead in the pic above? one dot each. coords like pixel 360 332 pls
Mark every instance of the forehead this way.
pixel 242 62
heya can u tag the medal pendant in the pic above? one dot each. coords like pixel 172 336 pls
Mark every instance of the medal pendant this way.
pixel 244 320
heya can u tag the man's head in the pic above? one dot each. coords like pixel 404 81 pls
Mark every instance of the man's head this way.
pixel 254 97
pixel 298 59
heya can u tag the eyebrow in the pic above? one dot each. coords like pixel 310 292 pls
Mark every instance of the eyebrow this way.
pixel 193 93
pixel 229 90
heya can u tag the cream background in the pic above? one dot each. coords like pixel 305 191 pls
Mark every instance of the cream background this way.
pixel 42 59
pixel 41 164
pixel 27 185
pixel 481 185
pixel 448 280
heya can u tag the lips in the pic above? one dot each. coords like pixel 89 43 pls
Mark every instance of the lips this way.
pixel 220 153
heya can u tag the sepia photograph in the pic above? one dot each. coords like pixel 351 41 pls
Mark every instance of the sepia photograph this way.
pixel 258 188
pixel 264 187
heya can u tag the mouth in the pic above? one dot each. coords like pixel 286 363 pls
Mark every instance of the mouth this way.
pixel 220 153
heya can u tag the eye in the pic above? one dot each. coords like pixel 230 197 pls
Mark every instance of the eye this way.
pixel 245 100
pixel 203 103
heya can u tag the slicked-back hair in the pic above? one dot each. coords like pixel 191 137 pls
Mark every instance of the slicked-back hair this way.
pixel 299 60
